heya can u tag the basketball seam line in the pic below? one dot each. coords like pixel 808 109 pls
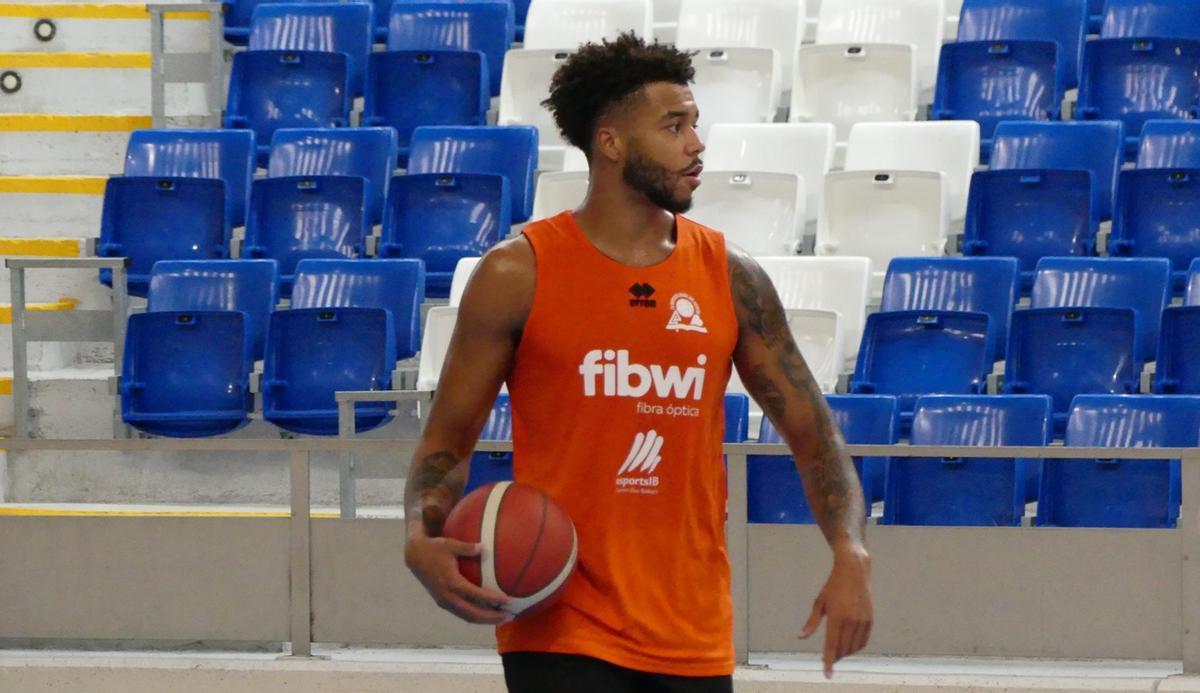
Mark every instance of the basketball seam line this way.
pixel 537 541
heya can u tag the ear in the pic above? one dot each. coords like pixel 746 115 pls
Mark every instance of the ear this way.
pixel 608 144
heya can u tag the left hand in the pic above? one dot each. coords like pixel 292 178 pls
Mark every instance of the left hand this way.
pixel 845 602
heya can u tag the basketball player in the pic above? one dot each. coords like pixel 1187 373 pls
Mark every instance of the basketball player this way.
pixel 615 327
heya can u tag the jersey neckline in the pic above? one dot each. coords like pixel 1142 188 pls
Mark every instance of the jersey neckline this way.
pixel 681 239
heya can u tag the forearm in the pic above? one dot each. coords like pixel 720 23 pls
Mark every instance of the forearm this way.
pixel 436 479
pixel 833 491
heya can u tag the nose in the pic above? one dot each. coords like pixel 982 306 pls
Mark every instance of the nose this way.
pixel 695 144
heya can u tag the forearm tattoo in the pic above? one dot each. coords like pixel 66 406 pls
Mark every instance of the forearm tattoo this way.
pixel 432 489
pixel 829 478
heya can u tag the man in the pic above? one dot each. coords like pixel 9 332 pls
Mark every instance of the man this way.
pixel 615 327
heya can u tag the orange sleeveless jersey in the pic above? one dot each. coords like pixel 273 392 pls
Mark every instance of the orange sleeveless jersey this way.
pixel 618 414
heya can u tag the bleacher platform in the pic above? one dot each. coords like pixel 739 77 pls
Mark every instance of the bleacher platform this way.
pixel 982 218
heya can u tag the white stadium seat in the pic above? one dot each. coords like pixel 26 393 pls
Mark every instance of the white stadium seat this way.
pixel 462 274
pixel 574 160
pixel 921 23
pixel 524 84
pixel 778 24
pixel 557 191
pixel 883 215
pixel 846 84
pixel 948 146
pixel 439 327
pixel 736 85
pixel 837 284
pixel 814 14
pixel 805 149
pixel 666 20
pixel 763 213
pixel 953 9
pixel 567 24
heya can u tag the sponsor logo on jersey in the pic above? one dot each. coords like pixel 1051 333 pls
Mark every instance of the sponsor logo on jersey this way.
pixel 608 372
pixel 685 315
pixel 637 473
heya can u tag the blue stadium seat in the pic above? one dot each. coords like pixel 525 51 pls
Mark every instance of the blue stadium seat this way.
pixel 1170 144
pixel 1143 284
pixel 775 493
pixel 737 418
pixel 1191 297
pixel 987 492
pixel 919 352
pixel 1150 18
pixel 408 89
pixel 1094 147
pixel 980 285
pixel 149 219
pixel 1158 215
pixel 313 353
pixel 1063 352
pixel 338 27
pixel 397 286
pixel 522 10
pixel 1134 80
pixel 1095 16
pixel 440 219
pixel 488 26
pixel 994 81
pixel 366 152
pixel 1120 493
pixel 247 286
pixel 186 374
pixel 510 151
pixel 225 154
pixel 491 467
pixel 1028 215
pixel 270 90
pixel 238 14
pixel 297 217
pixel 1177 370
pixel 1062 21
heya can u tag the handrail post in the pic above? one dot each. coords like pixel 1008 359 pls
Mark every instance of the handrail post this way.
pixel 20 353
pixel 1189 539
pixel 299 549
pixel 737 540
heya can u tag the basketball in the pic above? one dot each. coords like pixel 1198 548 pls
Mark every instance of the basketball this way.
pixel 529 543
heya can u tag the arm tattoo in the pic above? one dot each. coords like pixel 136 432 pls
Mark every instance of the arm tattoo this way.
pixel 829 478
pixel 432 489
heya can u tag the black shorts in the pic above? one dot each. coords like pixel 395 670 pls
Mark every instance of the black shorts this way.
pixel 547 672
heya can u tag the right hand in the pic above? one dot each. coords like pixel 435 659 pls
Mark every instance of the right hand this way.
pixel 434 560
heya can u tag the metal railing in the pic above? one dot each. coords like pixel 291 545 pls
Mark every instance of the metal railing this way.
pixel 207 67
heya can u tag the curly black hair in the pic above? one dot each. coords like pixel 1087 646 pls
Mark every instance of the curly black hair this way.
pixel 599 75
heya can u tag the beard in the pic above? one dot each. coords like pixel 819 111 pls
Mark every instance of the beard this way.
pixel 655 182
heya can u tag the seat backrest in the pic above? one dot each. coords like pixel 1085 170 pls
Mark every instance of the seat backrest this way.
pixel 1158 215
pixel 249 286
pixel 224 154
pixel 921 23
pixel 269 90
pixel 821 340
pixel 1030 214
pixel 462 274
pixel 803 149
pixel 980 285
pixel 366 152
pixel 1094 147
pixel 846 84
pixel 1159 18
pixel 983 420
pixel 439 327
pixel 865 419
pixel 441 219
pixel 567 24
pixel 238 14
pixel 1139 79
pixel 510 151
pixel 326 26
pixel 408 89
pixel 152 219
pixel 1176 368
pixel 1143 284
pixel 950 147
pixel 777 24
pixel 838 284
pixel 558 191
pixel 737 418
pixel 395 285
pixel 1169 144
pixel 487 26
pixel 736 85
pixel 763 213
pixel 1192 295
pixel 883 215
pixel 1063 21
pixel 524 85
pixel 299 217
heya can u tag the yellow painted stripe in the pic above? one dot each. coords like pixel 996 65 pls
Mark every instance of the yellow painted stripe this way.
pixel 40 122
pixel 60 304
pixel 89 11
pixel 53 185
pixel 75 60
pixel 6 385
pixel 39 247
pixel 39 512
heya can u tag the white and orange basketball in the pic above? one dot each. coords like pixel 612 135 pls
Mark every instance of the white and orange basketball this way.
pixel 528 542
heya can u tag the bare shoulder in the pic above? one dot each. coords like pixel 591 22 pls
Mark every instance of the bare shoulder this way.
pixel 501 288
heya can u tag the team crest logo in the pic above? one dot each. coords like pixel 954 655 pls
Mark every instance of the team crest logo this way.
pixel 685 315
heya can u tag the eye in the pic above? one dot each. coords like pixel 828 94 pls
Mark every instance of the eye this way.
pixel 674 127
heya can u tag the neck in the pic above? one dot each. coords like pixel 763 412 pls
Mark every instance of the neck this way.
pixel 617 216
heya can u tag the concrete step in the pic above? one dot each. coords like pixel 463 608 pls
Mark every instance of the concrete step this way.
pixel 51 207
pixel 55 152
pixel 91 83
pixel 91 27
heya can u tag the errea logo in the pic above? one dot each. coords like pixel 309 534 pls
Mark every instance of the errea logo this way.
pixel 610 373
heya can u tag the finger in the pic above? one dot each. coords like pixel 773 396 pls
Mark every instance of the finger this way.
pixel 832 632
pixel 849 632
pixel 462 548
pixel 474 613
pixel 474 593
pixel 860 637
pixel 814 620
